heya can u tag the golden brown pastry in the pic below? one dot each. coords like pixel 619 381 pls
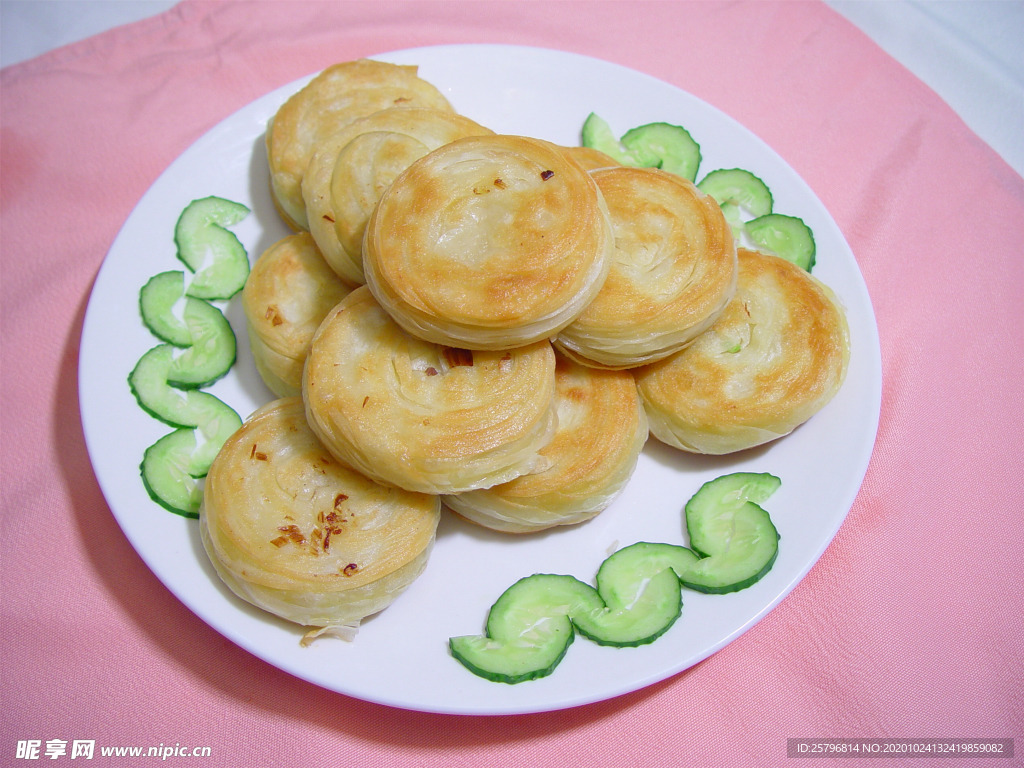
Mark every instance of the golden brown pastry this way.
pixel 351 169
pixel 287 294
pixel 489 242
pixel 293 531
pixel 601 431
pixel 330 101
pixel 421 416
pixel 773 359
pixel 590 159
pixel 672 273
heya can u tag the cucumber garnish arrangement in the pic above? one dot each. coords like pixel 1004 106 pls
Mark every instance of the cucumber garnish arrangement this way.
pixel 745 199
pixel 638 596
pixel 742 194
pixel 199 348
pixel 655 145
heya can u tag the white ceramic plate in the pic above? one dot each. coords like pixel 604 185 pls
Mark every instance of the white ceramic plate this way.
pixel 400 656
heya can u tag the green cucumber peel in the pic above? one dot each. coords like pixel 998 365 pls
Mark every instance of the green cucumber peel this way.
pixel 638 596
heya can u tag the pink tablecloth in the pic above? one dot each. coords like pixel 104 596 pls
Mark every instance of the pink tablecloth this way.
pixel 909 626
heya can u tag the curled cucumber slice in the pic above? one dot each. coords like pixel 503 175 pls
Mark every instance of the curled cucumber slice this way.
pixel 186 322
pixel 664 146
pixel 168 473
pixel 149 383
pixel 655 145
pixel 214 254
pixel 210 356
pixel 733 535
pixel 528 629
pixel 740 188
pixel 785 236
pixel 640 603
pixel 170 467
pixel 158 301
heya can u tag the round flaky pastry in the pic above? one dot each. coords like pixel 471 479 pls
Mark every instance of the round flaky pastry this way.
pixel 672 273
pixel 775 357
pixel 288 293
pixel 601 431
pixel 291 530
pixel 330 101
pixel 489 242
pixel 422 416
pixel 351 169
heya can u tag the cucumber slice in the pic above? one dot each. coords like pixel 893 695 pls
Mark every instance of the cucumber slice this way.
pixel 642 600
pixel 207 360
pixel 665 146
pixel 739 187
pixel 529 601
pixel 166 473
pixel 735 537
pixel 170 467
pixel 216 425
pixel 528 629
pixel 149 383
pixel 655 145
pixel 202 328
pixel 785 236
pixel 218 259
pixel 515 662
pixel 598 135
pixel 211 355
pixel 156 303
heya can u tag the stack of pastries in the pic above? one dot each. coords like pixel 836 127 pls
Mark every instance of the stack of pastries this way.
pixel 493 322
